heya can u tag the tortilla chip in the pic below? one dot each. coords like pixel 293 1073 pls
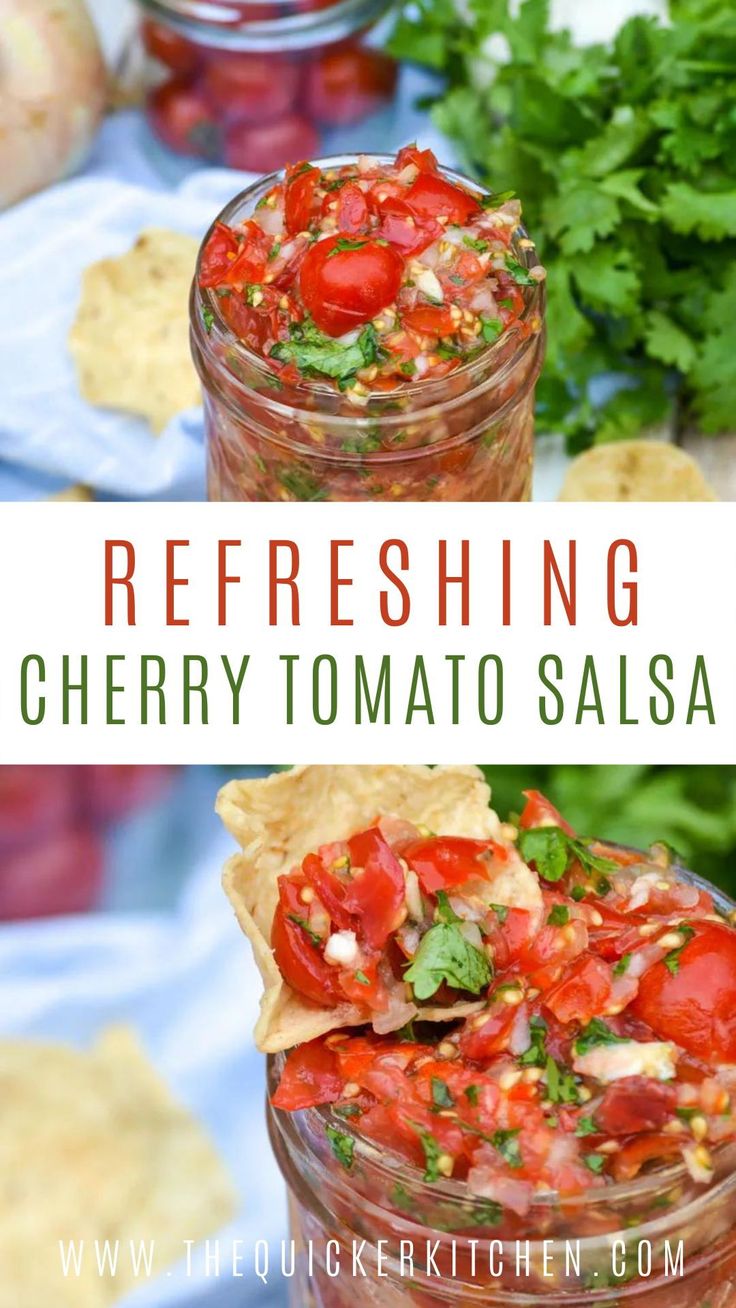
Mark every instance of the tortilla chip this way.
pixel 635 471
pixel 73 494
pixel 93 1147
pixel 130 340
pixel 280 819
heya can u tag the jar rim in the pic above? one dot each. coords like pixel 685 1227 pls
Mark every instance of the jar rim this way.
pixel 479 371
pixel 383 1163
pixel 225 25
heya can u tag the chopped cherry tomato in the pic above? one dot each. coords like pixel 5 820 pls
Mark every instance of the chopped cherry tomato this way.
pixel 538 812
pixel 263 147
pixel 364 987
pixel 301 183
pixel 344 284
pixel 352 209
pixel 348 83
pixel 376 896
pixel 330 890
pixel 583 991
pixel 218 256
pixel 299 959
pixel 690 997
pixel 169 47
pixel 182 117
pixel 401 227
pixel 311 1077
pixel 424 160
pixel 646 1149
pixel 429 319
pixel 249 265
pixel 432 197
pixel 635 1104
pixel 250 89
pixel 480 1040
pixel 442 862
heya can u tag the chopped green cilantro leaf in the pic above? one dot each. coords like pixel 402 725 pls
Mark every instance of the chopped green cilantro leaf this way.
pixel 315 353
pixel 362 979
pixel 672 960
pixel 303 923
pixel 441 1097
pixel 622 966
pixel 208 318
pixel 561 1085
pixel 445 955
pixel 586 1126
pixel 596 1034
pixel 558 916
pixel 342 1146
pixel 501 911
pixel 595 1162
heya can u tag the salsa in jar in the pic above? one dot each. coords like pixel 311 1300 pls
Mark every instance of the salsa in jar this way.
pixel 526 1039
pixel 369 328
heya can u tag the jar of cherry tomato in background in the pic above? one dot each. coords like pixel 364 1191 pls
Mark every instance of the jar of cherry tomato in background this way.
pixel 369 328
pixel 256 84
pixel 660 1236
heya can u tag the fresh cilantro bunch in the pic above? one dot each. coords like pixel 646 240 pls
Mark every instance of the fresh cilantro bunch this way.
pixel 625 159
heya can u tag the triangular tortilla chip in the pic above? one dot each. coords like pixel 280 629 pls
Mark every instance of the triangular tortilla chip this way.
pixel 279 819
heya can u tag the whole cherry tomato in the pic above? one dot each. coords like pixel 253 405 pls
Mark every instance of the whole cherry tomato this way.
pixel 263 147
pixel 61 873
pixel 33 801
pixel 169 47
pixel 346 283
pixel 690 997
pixel 248 88
pixel 311 1076
pixel 182 117
pixel 348 83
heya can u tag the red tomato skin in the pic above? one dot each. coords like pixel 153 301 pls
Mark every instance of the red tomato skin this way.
pixel 635 1104
pixel 431 196
pixel 628 1163
pixel 299 961
pixel 582 992
pixel 352 210
pixel 262 148
pixel 539 812
pixel 442 862
pixel 401 228
pixel 429 320
pixel 376 897
pixel 424 160
pixel 217 257
pixel 329 889
pixel 346 289
pixel 348 83
pixel 61 873
pixel 310 1077
pixel 182 118
pixel 248 88
pixel 249 265
pixel 169 47
pixel 696 1007
pixel 301 183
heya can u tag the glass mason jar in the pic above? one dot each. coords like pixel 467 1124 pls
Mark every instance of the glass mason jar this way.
pixel 257 84
pixel 465 436
pixel 659 1241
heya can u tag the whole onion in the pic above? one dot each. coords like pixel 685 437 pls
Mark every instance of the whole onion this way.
pixel 53 87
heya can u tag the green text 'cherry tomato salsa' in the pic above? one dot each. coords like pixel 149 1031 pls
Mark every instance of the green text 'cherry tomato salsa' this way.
pixel 604 1040
pixel 397 302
